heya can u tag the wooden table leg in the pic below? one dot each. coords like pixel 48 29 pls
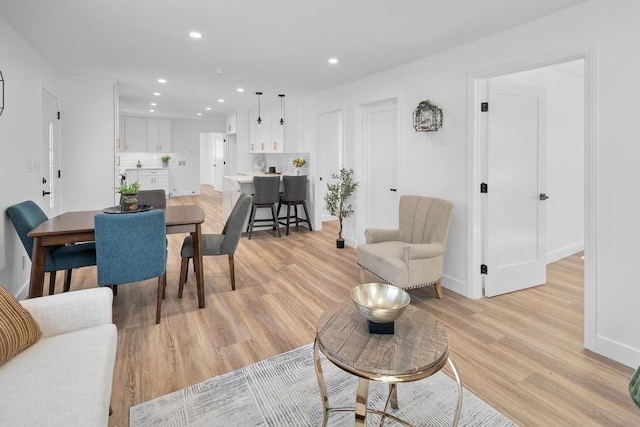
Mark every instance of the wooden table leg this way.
pixel 39 257
pixel 197 261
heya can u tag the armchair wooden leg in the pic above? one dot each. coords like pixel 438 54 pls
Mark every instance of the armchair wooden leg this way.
pixel 232 273
pixel 52 282
pixel 67 280
pixel 438 288
pixel 184 270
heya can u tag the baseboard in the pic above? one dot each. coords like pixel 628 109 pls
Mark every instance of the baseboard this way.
pixel 564 252
pixel 23 293
pixel 455 285
pixel 617 351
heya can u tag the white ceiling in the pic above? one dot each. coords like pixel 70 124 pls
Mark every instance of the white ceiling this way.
pixel 277 46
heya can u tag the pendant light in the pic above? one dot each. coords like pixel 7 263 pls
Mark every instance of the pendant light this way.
pixel 281 109
pixel 259 118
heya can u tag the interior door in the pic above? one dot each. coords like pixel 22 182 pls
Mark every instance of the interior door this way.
pixel 329 154
pixel 49 167
pixel 218 161
pixel 515 209
pixel 380 166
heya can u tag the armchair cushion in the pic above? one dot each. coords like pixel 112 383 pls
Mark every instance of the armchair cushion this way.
pixel 18 330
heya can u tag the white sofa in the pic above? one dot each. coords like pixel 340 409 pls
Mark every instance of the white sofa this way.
pixel 65 378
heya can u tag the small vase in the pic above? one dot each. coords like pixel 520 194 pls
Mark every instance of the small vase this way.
pixel 165 163
pixel 297 172
pixel 129 203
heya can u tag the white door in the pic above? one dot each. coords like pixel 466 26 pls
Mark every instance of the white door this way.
pixel 218 160
pixel 515 214
pixel 329 145
pixel 380 166
pixel 49 168
pixel 207 158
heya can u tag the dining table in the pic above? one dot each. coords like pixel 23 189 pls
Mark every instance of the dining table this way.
pixel 78 226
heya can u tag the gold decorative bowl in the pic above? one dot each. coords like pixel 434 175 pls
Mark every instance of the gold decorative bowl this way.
pixel 379 302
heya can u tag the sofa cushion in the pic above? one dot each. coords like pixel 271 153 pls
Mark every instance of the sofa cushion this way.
pixel 18 330
pixel 385 261
pixel 62 380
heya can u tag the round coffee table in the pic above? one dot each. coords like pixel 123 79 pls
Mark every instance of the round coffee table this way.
pixel 418 349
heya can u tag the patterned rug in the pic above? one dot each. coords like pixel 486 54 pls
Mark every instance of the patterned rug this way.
pixel 283 391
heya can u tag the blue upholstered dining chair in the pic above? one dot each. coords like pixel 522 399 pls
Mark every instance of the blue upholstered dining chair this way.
pixel 131 248
pixel 25 217
pixel 219 244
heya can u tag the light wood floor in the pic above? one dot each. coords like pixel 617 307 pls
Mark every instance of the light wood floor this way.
pixel 521 353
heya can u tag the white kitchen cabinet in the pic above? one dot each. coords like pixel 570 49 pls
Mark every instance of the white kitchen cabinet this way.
pixel 135 134
pixel 158 135
pixel 149 179
pixel 232 123
pixel 268 136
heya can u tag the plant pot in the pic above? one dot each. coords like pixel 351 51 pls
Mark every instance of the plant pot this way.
pixel 340 243
pixel 129 203
pixel 165 163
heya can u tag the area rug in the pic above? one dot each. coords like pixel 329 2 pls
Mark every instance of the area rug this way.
pixel 283 391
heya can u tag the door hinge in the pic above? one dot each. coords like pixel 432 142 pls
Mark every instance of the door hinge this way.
pixel 484 107
pixel 58 173
pixel 58 115
pixel 484 269
pixel 484 187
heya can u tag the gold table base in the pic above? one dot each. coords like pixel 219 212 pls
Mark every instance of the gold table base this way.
pixel 361 409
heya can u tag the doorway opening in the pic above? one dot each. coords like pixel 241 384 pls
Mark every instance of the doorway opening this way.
pixel 212 159
pixel 477 132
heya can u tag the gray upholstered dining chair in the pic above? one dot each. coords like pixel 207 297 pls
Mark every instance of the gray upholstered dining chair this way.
pixel 131 248
pixel 295 193
pixel 218 244
pixel 155 198
pixel 266 195
pixel 25 217
pixel 412 255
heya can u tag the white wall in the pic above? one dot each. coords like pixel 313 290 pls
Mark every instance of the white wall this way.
pixel 565 153
pixel 25 74
pixel 435 163
pixel 87 143
pixel 185 147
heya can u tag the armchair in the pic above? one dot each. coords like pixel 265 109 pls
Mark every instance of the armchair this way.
pixel 412 255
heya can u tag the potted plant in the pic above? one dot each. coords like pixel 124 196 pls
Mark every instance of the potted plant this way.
pixel 337 197
pixel 128 199
pixel 165 160
pixel 298 163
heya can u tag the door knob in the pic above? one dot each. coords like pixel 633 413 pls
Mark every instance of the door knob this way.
pixel 44 193
pixel 543 196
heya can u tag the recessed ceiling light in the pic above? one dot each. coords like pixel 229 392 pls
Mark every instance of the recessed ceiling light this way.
pixel 218 71
pixel 153 104
pixel 156 93
pixel 152 111
pixel 240 89
pixel 162 80
pixel 195 35
pixel 208 108
pixel 221 100
pixel 199 114
pixel 333 60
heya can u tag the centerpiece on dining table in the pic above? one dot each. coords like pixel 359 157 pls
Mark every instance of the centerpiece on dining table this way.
pixel 129 196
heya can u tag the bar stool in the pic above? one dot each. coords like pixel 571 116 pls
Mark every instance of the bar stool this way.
pixel 266 195
pixel 295 193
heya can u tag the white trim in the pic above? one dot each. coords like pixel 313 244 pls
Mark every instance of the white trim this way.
pixel 564 252
pixel 587 52
pixel 617 351
pixel 456 285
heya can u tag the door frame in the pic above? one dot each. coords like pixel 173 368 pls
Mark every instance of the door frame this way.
pixel 57 185
pixel 475 136
pixel 319 199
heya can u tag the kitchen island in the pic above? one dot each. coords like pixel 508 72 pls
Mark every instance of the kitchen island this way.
pixel 234 185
